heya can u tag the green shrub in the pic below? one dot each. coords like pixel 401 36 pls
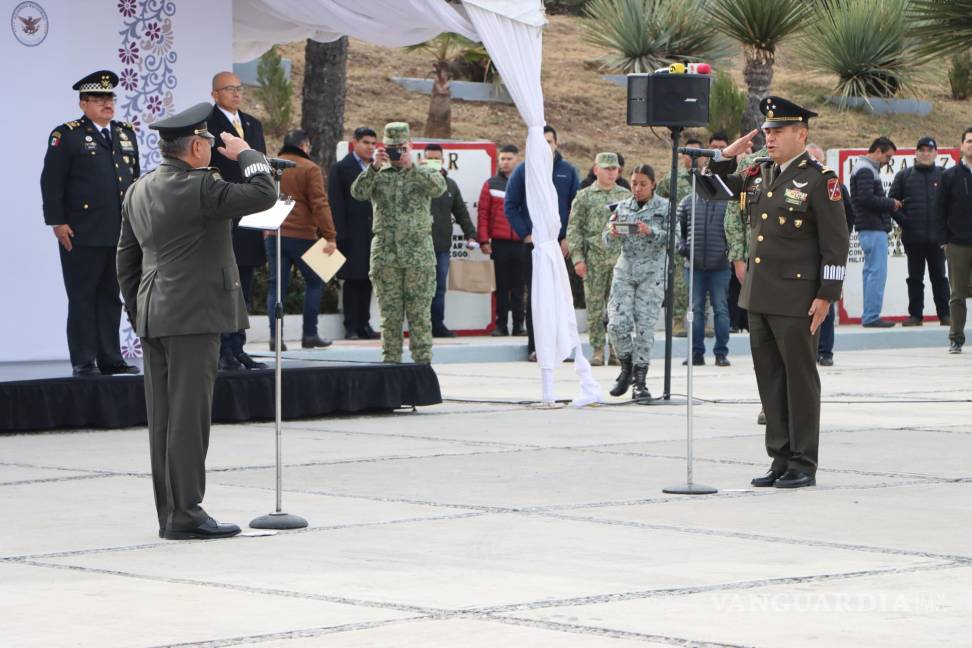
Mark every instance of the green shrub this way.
pixel 643 35
pixel 569 7
pixel 726 105
pixel 274 92
pixel 868 44
pixel 960 75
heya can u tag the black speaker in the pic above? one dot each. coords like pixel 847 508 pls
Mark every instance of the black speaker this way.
pixel 663 99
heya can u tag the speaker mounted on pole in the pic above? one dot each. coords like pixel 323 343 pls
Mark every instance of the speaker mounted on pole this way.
pixel 672 100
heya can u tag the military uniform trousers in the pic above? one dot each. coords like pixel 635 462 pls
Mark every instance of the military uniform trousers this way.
pixel 632 312
pixel 597 290
pixel 94 305
pixel 405 291
pixel 180 372
pixel 785 362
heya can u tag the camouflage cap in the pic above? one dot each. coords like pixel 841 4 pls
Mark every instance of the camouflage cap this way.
pixel 606 160
pixel 396 134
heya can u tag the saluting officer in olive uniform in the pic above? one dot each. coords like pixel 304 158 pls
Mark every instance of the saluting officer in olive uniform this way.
pixel 90 163
pixel 182 289
pixel 797 260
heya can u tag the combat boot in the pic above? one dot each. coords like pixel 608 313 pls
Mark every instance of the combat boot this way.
pixel 640 392
pixel 624 378
pixel 597 358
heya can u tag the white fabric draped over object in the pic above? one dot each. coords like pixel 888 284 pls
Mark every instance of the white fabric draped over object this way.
pixel 511 32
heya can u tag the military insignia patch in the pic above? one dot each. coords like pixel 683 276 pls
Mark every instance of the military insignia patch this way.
pixel 56 138
pixel 794 197
pixel 833 189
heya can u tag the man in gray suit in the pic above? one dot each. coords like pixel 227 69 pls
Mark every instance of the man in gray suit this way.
pixel 181 288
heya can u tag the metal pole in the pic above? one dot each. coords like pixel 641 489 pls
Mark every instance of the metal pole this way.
pixel 670 282
pixel 690 488
pixel 278 519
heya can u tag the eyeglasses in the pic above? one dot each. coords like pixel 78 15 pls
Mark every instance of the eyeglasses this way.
pixel 237 89
pixel 102 99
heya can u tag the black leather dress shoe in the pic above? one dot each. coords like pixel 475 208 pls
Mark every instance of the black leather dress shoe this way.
pixel 228 362
pixel 518 331
pixel 316 342
pixel 85 370
pixel 722 361
pixel 500 331
pixel 368 333
pixel 443 333
pixel 273 345
pixel 118 369
pixel 352 336
pixel 250 363
pixel 824 361
pixel 210 529
pixel 795 479
pixel 766 480
pixel 879 323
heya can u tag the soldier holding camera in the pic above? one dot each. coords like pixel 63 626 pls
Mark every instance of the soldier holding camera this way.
pixel 402 255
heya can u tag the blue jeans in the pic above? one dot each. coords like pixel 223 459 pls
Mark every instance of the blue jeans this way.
pixel 441 282
pixel 291 250
pixel 874 243
pixel 825 348
pixel 715 283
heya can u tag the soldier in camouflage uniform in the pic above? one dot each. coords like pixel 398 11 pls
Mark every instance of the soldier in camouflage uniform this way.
pixel 684 188
pixel 737 229
pixel 402 256
pixel 593 260
pixel 638 287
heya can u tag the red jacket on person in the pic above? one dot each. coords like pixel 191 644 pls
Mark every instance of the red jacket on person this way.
pixel 492 220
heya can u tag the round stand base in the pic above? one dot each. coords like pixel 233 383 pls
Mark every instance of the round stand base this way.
pixel 686 489
pixel 278 521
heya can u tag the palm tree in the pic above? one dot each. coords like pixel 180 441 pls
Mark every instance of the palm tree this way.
pixel 759 26
pixel 942 26
pixel 444 48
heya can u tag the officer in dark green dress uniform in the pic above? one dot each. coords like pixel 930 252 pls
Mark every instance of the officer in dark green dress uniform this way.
pixel 90 163
pixel 797 261
pixel 181 288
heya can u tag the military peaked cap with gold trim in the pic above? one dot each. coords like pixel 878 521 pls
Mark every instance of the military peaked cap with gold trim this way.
pixel 780 112
pixel 100 82
pixel 191 121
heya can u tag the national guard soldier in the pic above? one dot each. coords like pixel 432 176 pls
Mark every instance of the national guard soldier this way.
pixel 638 287
pixel 402 255
pixel 182 289
pixel 593 260
pixel 90 163
pixel 797 261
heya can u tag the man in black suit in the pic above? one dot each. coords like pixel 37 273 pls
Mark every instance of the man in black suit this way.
pixel 352 220
pixel 247 244
pixel 90 163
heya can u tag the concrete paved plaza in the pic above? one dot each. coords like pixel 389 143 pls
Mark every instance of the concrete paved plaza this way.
pixel 486 524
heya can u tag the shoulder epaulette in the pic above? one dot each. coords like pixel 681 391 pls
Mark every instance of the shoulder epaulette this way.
pixel 71 125
pixel 820 167
pixel 124 124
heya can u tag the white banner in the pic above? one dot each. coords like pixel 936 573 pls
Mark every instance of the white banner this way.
pixel 896 288
pixel 165 52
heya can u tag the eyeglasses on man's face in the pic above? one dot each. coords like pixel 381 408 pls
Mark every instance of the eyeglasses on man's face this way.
pixel 232 89
pixel 101 100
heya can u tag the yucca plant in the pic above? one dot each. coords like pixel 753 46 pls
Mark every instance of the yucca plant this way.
pixel 866 43
pixel 942 26
pixel 960 75
pixel 643 35
pixel 759 26
pixel 726 105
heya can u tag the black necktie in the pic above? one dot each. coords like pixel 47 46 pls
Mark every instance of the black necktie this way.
pixel 775 173
pixel 106 134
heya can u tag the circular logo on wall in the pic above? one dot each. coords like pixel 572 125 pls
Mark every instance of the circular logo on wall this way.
pixel 29 23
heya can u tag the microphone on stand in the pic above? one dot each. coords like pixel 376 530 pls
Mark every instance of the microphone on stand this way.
pixel 280 164
pixel 715 154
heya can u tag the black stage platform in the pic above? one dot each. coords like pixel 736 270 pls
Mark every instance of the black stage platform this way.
pixel 38 396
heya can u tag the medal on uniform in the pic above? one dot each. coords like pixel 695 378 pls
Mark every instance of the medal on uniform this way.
pixel 797 223
pixel 794 197
pixel 782 220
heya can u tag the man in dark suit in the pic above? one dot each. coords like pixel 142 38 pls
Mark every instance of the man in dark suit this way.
pixel 352 220
pixel 796 267
pixel 226 117
pixel 90 163
pixel 182 289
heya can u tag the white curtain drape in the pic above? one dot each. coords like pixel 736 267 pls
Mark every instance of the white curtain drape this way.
pixel 511 33
pixel 515 48
pixel 260 24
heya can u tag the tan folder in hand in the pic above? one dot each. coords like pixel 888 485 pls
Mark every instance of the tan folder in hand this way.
pixel 325 265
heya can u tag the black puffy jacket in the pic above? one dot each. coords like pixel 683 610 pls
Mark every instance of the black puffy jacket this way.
pixel 917 187
pixel 953 205
pixel 872 209
pixel 711 248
